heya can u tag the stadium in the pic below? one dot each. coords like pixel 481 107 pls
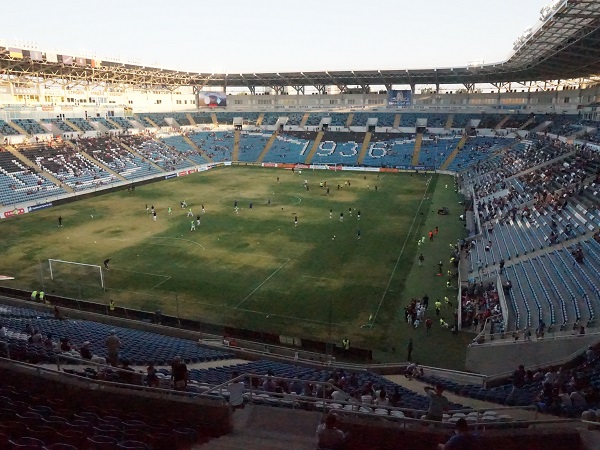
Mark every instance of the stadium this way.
pixel 216 260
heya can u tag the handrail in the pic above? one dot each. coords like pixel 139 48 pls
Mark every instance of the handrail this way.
pixel 137 387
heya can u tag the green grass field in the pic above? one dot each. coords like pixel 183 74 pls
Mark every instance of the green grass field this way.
pixel 255 269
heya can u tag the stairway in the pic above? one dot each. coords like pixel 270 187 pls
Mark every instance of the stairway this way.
pixel 132 151
pixel 72 125
pixel 213 117
pixel 501 123
pixel 417 150
pixel 261 116
pixel 364 147
pixel 236 145
pixel 267 147
pixel 190 118
pixel 269 428
pixel 304 120
pixel 36 168
pixel 449 122
pixel 314 148
pixel 96 162
pixel 350 119
pixel 397 120
pixel 198 149
pixel 452 155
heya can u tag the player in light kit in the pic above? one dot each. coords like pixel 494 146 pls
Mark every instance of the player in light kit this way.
pixel 341 217
pixel 331 213
pixel 295 221
pixel 190 213
pixel 198 220
pixel 170 211
pixel 193 227
pixel 154 215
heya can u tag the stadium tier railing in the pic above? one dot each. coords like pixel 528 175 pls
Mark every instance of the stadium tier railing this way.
pixel 565 331
pixel 503 304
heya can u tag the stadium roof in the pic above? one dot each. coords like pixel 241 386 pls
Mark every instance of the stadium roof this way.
pixel 565 46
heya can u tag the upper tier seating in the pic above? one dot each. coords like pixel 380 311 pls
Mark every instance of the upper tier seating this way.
pixel 68 166
pixel 270 118
pixel 122 122
pixel 104 122
pixel 202 118
pixel 19 184
pixel 62 126
pixel 226 118
pixel 6 129
pixel 82 124
pixel 31 126
pixel 383 119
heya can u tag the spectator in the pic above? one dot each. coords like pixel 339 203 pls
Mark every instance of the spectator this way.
pixel 382 399
pixel 330 437
pixel 48 342
pixel 2 331
pixel 437 403
pixel 85 351
pixel 236 392
pixel 65 345
pixel 151 377
pixel 462 440
pixel 113 345
pixel 179 374
pixel 396 398
pixel 127 373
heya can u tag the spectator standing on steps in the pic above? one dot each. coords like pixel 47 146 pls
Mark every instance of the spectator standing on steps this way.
pixel 113 344
pixel 438 404
pixel 330 437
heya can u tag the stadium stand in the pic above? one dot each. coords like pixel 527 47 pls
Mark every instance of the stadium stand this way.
pixel 31 126
pixel 226 118
pixel 270 118
pixel 122 122
pixel 68 166
pixel 178 143
pixel 339 148
pixel 202 118
pixel 291 147
pixel 82 124
pixel 19 184
pixel 155 151
pixel 116 157
pixel 217 145
pixel 62 126
pixel 252 144
pixel 104 122
pixel 6 129
pixel 389 150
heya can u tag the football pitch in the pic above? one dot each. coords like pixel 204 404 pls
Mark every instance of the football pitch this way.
pixel 253 267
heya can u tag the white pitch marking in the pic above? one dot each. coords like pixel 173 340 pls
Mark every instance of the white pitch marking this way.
pixel 260 285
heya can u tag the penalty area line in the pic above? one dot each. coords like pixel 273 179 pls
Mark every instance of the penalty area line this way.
pixel 158 284
pixel 261 284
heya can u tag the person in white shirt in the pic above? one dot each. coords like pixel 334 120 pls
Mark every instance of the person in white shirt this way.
pixel 236 392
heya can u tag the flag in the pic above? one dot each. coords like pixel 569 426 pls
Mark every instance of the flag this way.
pixel 15 53
pixel 80 61
pixel 67 60
pixel 96 63
pixel 51 57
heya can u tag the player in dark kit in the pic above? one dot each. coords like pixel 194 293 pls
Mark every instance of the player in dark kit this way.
pixel 106 261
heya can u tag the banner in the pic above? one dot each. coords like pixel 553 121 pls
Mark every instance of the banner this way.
pixel 15 53
pixel 172 175
pixel 80 61
pixel 211 99
pixel 51 57
pixel 14 212
pixel 37 207
pixel 35 55
pixel 67 60
pixel 399 99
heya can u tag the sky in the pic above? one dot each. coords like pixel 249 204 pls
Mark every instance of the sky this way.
pixel 252 36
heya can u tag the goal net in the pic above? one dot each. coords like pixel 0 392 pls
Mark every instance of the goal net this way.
pixel 71 272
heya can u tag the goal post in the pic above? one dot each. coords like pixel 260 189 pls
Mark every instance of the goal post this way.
pixel 81 269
